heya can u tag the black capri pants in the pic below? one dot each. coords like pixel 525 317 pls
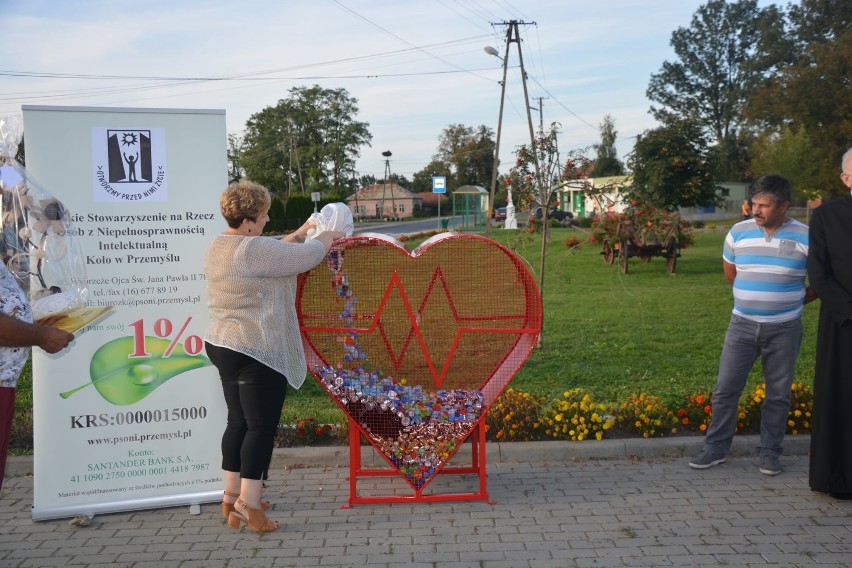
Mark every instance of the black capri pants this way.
pixel 254 394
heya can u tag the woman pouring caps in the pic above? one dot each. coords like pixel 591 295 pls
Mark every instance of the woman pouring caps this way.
pixel 253 338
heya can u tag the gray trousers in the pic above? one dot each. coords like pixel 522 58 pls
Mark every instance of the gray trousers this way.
pixel 777 345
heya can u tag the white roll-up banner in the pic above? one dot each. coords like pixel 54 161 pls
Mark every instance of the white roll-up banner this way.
pixel 130 416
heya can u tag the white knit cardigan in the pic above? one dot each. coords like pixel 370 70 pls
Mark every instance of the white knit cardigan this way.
pixel 251 295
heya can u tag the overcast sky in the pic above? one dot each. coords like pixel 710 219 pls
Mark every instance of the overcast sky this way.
pixel 415 66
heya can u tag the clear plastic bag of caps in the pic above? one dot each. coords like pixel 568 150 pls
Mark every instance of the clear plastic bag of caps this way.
pixel 37 243
pixel 333 217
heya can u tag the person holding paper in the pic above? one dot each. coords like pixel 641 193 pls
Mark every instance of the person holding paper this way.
pixel 17 334
pixel 253 338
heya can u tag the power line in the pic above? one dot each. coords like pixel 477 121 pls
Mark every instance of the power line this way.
pixel 481 11
pixel 66 94
pixel 405 41
pixel 571 112
pixel 451 8
pixel 511 9
pixel 245 76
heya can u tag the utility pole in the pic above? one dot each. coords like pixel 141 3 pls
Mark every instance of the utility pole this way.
pixel 290 169
pixel 540 110
pixel 299 169
pixel 293 150
pixel 387 154
pixel 512 36
pixel 540 183
pixel 355 185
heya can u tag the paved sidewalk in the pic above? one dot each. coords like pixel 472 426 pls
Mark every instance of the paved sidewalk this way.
pixel 609 503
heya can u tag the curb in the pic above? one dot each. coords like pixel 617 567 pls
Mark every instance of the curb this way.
pixel 508 452
pixel 546 451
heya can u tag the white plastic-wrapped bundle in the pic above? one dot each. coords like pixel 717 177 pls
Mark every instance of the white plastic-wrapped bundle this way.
pixel 333 217
pixel 37 244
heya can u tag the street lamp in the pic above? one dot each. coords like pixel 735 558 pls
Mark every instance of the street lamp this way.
pixel 491 51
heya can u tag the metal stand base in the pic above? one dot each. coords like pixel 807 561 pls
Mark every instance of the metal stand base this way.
pixel 477 466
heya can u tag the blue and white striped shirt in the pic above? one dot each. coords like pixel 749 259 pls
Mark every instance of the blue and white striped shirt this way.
pixel 770 281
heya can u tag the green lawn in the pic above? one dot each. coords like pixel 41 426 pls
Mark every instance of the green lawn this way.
pixel 649 331
pixel 613 334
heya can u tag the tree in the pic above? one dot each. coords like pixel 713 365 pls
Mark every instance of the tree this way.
pixel 718 67
pixel 398 179
pixel 366 180
pixel 235 151
pixel 277 217
pixel 20 154
pixel 422 180
pixel 307 142
pixel 469 152
pixel 530 179
pixel 607 162
pixel 790 153
pixel 536 177
pixel 673 167
pixel 820 21
pixel 811 92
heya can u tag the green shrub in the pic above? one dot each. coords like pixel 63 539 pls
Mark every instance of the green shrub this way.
pixel 584 222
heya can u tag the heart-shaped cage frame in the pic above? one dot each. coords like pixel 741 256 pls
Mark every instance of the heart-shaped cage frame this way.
pixel 416 346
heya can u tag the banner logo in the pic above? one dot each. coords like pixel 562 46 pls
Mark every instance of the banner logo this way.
pixel 129 164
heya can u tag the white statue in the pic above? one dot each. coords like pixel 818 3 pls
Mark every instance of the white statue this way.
pixel 511 222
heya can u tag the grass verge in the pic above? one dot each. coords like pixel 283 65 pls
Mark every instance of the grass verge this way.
pixel 612 334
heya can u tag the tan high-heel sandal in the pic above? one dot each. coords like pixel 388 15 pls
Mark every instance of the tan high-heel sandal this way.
pixel 255 519
pixel 228 507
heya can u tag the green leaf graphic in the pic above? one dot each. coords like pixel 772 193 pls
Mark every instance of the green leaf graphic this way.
pixel 123 380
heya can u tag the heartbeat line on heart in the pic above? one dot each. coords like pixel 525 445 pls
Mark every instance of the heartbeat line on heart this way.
pixel 415 333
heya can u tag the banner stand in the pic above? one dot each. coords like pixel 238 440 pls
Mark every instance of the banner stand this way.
pixel 194 500
pixel 130 416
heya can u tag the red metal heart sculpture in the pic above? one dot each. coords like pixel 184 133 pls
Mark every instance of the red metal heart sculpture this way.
pixel 416 346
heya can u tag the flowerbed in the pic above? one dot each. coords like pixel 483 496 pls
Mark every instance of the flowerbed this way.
pixel 309 432
pixel 520 416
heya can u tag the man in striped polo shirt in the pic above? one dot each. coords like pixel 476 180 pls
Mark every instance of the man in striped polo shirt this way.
pixel 765 259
